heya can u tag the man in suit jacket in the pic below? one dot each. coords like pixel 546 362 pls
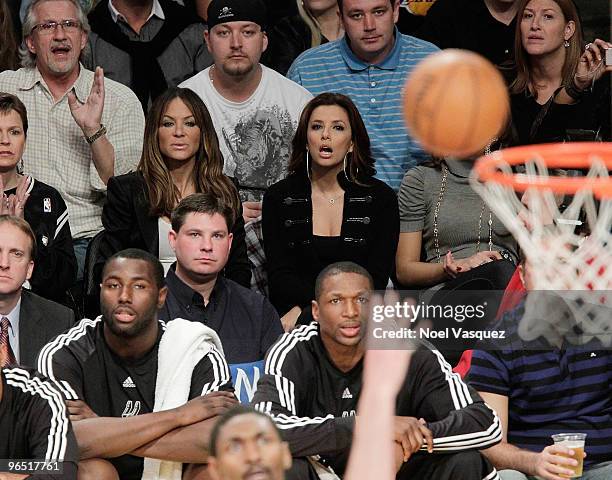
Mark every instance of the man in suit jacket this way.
pixel 27 321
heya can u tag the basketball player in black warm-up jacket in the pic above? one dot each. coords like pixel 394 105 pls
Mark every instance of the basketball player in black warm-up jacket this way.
pixel 312 384
pixel 34 427
pixel 108 370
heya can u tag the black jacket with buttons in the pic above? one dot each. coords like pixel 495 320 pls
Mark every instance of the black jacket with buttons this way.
pixel 369 233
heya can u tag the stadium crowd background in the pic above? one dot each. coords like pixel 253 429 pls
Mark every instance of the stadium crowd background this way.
pixel 244 166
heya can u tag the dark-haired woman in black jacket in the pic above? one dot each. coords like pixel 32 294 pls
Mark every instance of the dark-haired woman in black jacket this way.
pixel 330 208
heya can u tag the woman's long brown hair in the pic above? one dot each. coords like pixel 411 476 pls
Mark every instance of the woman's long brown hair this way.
pixel 8 42
pixel 208 166
pixel 572 53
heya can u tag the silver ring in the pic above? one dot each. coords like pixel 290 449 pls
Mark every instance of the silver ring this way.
pixel 587 46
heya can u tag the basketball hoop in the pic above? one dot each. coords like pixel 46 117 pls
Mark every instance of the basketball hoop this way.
pixel 556 199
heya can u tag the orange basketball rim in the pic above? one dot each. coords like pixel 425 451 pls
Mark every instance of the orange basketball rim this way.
pixel 554 155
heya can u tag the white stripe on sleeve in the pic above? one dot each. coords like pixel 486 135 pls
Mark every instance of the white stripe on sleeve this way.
pixel 45 357
pixel 58 430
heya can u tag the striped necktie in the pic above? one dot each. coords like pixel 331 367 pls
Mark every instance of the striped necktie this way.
pixel 6 352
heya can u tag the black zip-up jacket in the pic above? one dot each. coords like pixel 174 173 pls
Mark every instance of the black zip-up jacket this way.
pixel 369 236
pixel 55 265
pixel 313 403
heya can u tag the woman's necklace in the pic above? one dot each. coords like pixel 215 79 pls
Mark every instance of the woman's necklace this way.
pixel 332 201
pixel 437 213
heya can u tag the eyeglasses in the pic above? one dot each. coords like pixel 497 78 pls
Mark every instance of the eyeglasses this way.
pixel 47 28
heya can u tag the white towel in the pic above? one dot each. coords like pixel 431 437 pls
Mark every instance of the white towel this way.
pixel 182 346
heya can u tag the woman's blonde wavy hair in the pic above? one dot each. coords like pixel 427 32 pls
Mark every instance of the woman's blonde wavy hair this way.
pixel 311 22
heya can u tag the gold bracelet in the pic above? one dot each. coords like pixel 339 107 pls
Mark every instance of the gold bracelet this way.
pixel 101 131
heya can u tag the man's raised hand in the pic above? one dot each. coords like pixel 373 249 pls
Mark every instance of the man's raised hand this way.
pixel 88 115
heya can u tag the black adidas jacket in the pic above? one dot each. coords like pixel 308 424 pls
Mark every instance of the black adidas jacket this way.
pixel 55 265
pixel 313 403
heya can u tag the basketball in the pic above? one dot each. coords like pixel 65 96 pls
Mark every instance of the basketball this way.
pixel 418 7
pixel 455 103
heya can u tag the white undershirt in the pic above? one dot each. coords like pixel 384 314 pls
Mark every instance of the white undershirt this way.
pixel 166 254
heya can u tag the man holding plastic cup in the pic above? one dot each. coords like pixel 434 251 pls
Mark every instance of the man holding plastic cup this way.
pixel 539 390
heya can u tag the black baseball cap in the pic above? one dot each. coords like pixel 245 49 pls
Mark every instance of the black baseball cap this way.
pixel 225 11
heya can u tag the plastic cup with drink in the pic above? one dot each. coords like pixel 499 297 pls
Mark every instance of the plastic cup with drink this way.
pixel 574 442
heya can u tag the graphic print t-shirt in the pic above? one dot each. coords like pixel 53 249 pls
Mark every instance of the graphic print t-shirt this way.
pixel 254 135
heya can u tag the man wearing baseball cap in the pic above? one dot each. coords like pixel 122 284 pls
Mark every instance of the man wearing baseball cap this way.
pixel 255 110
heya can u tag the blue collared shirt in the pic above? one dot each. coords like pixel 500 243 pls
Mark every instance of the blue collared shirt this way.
pixel 377 92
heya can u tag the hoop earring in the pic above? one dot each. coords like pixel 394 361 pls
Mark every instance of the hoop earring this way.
pixel 308 166
pixel 344 167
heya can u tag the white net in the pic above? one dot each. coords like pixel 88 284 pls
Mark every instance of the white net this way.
pixel 565 240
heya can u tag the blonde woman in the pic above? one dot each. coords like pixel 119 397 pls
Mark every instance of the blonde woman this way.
pixel 317 23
